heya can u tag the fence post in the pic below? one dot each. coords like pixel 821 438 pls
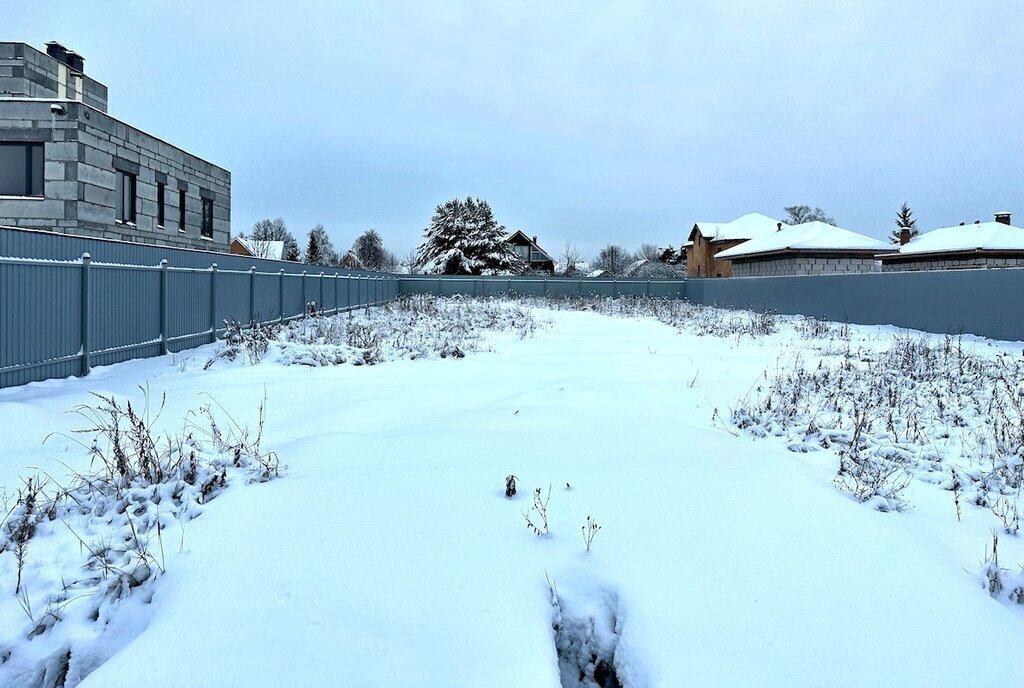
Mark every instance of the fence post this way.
pixel 304 306
pixel 252 294
pixel 615 287
pixel 213 302
pixel 163 306
pixel 348 292
pixel 439 286
pixel 280 296
pixel 321 304
pixel 545 287
pixel 648 288
pixel 86 261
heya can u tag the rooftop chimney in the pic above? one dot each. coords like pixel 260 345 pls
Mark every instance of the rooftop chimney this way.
pixel 904 235
pixel 1003 218
pixel 67 57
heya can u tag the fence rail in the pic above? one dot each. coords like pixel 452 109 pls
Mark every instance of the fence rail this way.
pixel 61 318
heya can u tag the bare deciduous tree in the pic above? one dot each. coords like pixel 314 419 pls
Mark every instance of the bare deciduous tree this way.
pixel 798 214
pixel 613 260
pixel 273 230
pixel 649 252
pixel 571 256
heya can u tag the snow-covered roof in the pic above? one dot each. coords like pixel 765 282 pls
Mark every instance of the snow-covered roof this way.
pixel 273 250
pixel 984 236
pixel 815 236
pixel 749 226
pixel 634 267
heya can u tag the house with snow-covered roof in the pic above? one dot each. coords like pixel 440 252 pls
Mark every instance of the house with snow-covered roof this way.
pixel 530 251
pixel 708 239
pixel 980 245
pixel 241 246
pixel 811 248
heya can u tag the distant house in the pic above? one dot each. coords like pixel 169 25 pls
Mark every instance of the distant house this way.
pixel 351 261
pixel 811 248
pixel 274 250
pixel 980 245
pixel 707 239
pixel 535 257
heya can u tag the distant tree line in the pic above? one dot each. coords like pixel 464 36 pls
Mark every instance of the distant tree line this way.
pixel 464 238
pixel 367 252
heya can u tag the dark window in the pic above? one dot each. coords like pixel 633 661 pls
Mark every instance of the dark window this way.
pixel 181 210
pixel 160 203
pixel 125 196
pixel 21 169
pixel 207 228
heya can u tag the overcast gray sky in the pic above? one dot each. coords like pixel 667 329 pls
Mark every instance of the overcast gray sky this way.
pixel 591 122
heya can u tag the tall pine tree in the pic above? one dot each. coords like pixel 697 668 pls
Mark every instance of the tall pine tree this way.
pixel 320 248
pixel 904 218
pixel 464 239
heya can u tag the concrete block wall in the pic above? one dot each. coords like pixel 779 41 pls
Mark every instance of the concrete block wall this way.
pixel 83 148
pixel 31 73
pixel 977 262
pixel 803 265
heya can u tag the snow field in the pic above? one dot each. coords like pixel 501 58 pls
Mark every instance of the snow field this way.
pixel 388 554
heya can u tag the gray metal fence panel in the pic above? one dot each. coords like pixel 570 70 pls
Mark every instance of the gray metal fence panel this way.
pixel 189 317
pixel 487 286
pixel 40 335
pixel 137 311
pixel 980 302
pixel 124 313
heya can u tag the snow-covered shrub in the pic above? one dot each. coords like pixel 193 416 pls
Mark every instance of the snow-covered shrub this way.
pixel 85 556
pixel 922 405
pixel 871 474
pixel 249 341
pixel 683 315
pixel 411 327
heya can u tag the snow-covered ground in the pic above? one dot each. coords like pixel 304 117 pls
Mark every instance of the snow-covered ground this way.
pixel 388 554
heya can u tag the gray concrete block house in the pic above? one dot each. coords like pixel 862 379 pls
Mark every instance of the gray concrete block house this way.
pixel 68 166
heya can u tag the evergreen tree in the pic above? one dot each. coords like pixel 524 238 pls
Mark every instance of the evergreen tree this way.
pixel 291 252
pixel 313 254
pixel 319 248
pixel 464 239
pixel 904 218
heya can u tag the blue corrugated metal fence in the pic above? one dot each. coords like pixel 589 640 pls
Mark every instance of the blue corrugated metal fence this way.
pixel 61 318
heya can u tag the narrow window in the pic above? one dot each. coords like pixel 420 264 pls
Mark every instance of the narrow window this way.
pixel 181 210
pixel 207 226
pixel 125 196
pixel 160 204
pixel 21 169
